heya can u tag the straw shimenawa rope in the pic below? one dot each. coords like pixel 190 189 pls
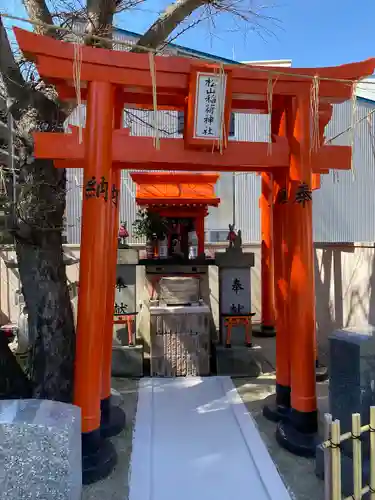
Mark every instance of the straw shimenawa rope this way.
pixel 222 95
pixel 314 115
pixel 128 44
pixel 270 88
pixel 353 122
pixel 154 100
pixel 269 111
pixel 220 75
pixel 77 66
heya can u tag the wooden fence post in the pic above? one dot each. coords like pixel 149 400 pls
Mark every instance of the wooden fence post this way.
pixel 336 460
pixel 357 456
pixel 327 458
pixel 372 452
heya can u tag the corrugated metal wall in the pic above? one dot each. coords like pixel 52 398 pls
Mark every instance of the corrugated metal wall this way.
pixel 344 207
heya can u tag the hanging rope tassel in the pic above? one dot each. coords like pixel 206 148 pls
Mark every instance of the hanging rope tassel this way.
pixel 222 134
pixel 77 66
pixel 269 109
pixel 154 100
pixel 314 115
pixel 353 124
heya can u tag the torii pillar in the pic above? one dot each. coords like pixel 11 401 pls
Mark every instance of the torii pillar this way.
pixel 298 432
pixel 267 328
pixel 282 269
pixel 113 418
pixel 281 277
pixel 98 454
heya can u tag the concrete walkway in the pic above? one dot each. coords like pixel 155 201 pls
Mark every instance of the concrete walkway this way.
pixel 193 439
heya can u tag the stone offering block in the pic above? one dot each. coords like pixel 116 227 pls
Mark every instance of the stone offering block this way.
pixel 127 361
pixel 238 361
pixel 351 390
pixel 352 378
pixel 40 450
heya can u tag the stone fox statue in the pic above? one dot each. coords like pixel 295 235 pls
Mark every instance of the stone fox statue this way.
pixel 231 236
pixel 123 234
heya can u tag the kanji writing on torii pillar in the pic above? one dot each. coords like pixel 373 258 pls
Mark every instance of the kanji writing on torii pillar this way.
pixel 111 80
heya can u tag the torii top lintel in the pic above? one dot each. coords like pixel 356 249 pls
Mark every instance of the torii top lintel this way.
pixel 54 60
pixel 248 90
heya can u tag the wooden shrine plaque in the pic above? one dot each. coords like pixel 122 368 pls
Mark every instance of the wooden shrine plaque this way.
pixel 208 110
pixel 235 297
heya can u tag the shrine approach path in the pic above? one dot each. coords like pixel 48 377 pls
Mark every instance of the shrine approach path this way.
pixel 194 439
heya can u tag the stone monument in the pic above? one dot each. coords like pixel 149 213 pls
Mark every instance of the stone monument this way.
pixel 127 354
pixel 238 359
pixel 351 390
pixel 40 450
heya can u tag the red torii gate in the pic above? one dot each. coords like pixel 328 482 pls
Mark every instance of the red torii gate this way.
pixel 111 80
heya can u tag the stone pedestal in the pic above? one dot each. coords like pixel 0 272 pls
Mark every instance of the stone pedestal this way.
pixel 351 390
pixel 238 361
pixel 180 341
pixel 40 450
pixel 127 361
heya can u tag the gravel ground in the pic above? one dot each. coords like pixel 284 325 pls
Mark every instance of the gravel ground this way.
pixel 297 473
pixel 115 487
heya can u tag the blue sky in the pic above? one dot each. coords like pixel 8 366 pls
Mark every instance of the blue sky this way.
pixel 311 33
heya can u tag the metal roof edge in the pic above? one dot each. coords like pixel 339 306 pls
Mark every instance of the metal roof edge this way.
pixel 185 49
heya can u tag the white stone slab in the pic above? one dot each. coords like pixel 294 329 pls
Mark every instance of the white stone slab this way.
pixel 195 439
pixel 40 450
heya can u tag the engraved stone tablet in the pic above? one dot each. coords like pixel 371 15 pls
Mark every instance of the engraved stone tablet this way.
pixel 125 296
pixel 40 450
pixel 234 289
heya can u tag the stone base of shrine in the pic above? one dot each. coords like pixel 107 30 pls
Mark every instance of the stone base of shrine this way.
pixel 239 361
pixel 127 361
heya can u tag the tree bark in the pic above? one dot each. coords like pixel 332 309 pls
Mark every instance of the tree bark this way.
pixel 41 206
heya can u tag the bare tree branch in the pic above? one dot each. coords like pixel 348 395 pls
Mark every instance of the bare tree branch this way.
pixel 12 77
pixel 168 21
pixel 100 19
pixel 37 10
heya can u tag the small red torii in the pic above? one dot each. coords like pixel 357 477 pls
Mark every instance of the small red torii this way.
pixel 110 80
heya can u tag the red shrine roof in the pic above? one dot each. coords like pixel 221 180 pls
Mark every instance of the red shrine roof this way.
pixel 175 189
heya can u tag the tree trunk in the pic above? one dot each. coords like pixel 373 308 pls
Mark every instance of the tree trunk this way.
pixel 41 206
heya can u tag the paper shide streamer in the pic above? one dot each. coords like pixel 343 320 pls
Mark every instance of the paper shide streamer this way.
pixel 353 124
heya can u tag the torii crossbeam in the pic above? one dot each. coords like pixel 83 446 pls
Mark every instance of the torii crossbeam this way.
pixel 111 80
